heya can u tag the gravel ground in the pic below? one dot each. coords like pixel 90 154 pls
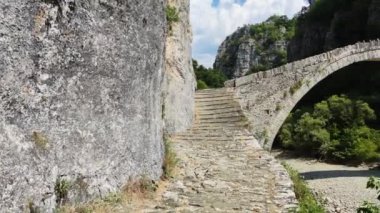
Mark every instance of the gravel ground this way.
pixel 342 188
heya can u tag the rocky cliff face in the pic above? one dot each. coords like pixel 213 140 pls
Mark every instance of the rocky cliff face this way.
pixel 179 78
pixel 81 96
pixel 254 48
pixel 328 25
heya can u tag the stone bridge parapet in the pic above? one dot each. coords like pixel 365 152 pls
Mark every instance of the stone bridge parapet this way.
pixel 268 97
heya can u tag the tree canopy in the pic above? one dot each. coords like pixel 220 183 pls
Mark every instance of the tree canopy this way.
pixel 335 129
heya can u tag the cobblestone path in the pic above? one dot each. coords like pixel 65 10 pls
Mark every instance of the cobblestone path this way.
pixel 222 168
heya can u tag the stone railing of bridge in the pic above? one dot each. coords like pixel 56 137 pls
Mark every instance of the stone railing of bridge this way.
pixel 268 97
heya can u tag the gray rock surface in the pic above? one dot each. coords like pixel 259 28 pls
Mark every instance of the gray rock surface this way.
pixel 179 78
pixel 80 97
pixel 268 97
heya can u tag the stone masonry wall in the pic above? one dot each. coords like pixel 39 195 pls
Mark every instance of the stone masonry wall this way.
pixel 268 97
pixel 179 79
pixel 80 97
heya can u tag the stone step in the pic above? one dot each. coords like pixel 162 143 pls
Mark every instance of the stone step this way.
pixel 205 139
pixel 213 91
pixel 220 137
pixel 227 126
pixel 220 111
pixel 208 99
pixel 214 134
pixel 217 128
pixel 220 120
pixel 216 131
pixel 215 94
pixel 213 103
pixel 220 116
pixel 210 107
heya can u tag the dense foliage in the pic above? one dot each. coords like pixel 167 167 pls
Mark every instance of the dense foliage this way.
pixel 334 130
pixel 270 36
pixel 328 24
pixel 275 28
pixel 208 78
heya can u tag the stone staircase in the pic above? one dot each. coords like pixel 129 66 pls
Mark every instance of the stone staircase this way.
pixel 218 118
pixel 222 168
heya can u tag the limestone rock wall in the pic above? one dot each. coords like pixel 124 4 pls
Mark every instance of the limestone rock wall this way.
pixel 268 97
pixel 179 77
pixel 80 92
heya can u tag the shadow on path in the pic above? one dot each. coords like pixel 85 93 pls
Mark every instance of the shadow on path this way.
pixel 339 173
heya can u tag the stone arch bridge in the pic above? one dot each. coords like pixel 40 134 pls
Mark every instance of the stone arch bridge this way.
pixel 268 97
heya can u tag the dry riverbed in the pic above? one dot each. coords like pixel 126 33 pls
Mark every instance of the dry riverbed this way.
pixel 342 188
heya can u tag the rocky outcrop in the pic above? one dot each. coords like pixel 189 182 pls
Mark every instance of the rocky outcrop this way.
pixel 81 86
pixel 254 48
pixel 322 29
pixel 179 78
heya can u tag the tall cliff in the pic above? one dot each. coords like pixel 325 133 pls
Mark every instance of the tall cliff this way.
pixel 330 24
pixel 179 78
pixel 254 48
pixel 81 97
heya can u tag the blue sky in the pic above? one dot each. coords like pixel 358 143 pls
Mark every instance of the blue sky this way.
pixel 214 20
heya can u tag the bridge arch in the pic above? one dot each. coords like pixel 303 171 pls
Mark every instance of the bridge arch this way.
pixel 268 97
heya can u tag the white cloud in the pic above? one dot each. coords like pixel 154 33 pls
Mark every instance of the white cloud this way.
pixel 211 25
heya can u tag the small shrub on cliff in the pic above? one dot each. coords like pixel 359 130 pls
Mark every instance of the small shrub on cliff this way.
pixel 172 16
pixel 61 190
pixel 170 160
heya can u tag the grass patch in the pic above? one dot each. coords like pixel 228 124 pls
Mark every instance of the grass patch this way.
pixel 278 107
pixel 40 140
pixel 61 190
pixel 142 187
pixel 293 89
pixel 172 16
pixel 307 202
pixel 133 192
pixel 170 160
pixel 285 95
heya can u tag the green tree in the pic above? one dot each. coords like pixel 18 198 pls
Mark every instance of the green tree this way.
pixel 208 78
pixel 201 85
pixel 335 130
